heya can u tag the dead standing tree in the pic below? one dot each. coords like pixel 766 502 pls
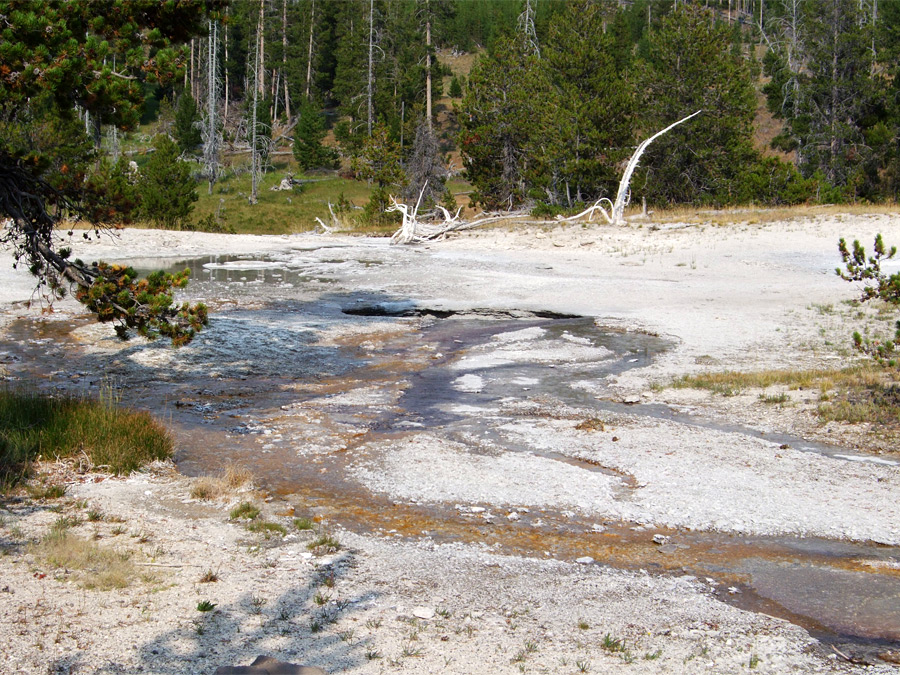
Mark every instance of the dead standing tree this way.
pixel 211 128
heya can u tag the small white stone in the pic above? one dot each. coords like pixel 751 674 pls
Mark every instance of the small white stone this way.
pixel 423 613
pixel 586 560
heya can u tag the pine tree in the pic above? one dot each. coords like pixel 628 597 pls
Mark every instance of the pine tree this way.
pixel 503 121
pixel 380 164
pixel 425 170
pixel 187 119
pixel 689 66
pixel 308 134
pixel 836 94
pixel 592 125
pixel 167 189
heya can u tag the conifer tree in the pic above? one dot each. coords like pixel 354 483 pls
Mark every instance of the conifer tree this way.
pixel 689 66
pixel 593 122
pixel 59 58
pixel 187 119
pixel 379 163
pixel 168 191
pixel 503 121
pixel 308 134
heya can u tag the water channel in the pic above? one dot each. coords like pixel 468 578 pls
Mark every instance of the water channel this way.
pixel 310 384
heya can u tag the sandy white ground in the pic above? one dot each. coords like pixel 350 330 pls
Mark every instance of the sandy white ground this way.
pixel 746 296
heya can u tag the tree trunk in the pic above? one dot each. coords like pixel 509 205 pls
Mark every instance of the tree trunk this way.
pixel 428 66
pixel 284 46
pixel 309 54
pixel 371 74
pixel 257 90
pixel 211 144
pixel 261 51
pixel 225 31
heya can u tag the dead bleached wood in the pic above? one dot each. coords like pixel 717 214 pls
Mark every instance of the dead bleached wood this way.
pixel 407 231
pixel 615 215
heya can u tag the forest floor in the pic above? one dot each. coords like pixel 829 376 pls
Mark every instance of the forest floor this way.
pixel 482 559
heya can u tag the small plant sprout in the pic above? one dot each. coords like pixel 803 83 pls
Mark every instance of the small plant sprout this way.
pixel 304 524
pixel 346 636
pixel 372 654
pixel 209 577
pixel 583 625
pixel 754 661
pixel 583 666
pixel 612 644
pixel 652 656
pixel 324 544
pixel 409 650
pixel 257 602
pixel 321 599
pixel 205 606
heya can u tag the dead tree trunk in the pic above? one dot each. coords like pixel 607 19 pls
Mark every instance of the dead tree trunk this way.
pixel 428 65
pixel 211 130
pixel 616 214
pixel 309 53
pixel 284 47
pixel 371 75
pixel 261 49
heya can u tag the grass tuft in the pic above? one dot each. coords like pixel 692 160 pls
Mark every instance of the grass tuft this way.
pixel 233 479
pixel 246 510
pixel 267 528
pixel 323 544
pixel 99 567
pixel 114 438
pixel 860 394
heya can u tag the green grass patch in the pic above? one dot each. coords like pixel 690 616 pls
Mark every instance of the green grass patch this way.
pixel 246 510
pixel 279 212
pixel 265 527
pixel 114 438
pixel 304 523
pixel 324 543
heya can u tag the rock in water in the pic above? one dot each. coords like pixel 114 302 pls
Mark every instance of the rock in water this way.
pixel 266 665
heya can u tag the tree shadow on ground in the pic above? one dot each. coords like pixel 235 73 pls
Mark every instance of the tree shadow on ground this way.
pixel 300 626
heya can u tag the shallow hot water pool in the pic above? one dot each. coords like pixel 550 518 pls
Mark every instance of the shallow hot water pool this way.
pixel 314 386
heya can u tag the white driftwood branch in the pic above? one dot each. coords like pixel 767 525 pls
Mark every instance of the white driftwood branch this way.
pixel 407 231
pixel 615 216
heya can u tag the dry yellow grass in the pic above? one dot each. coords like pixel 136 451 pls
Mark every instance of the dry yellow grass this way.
pixel 755 215
pixel 96 567
pixel 233 479
pixel 863 394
